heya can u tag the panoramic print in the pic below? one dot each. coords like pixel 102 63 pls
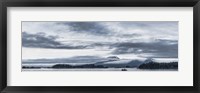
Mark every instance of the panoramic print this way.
pixel 100 46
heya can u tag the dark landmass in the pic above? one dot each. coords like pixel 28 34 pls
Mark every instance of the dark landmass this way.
pixel 154 65
pixel 30 67
pixel 98 62
pixel 150 65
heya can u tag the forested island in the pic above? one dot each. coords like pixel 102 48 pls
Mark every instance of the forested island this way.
pixel 154 65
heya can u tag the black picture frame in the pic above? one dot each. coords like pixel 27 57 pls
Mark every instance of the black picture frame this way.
pixel 99 3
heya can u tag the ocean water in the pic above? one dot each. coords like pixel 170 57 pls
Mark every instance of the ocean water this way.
pixel 97 69
pixel 46 66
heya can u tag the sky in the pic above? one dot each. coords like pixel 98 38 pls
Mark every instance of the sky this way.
pixel 125 39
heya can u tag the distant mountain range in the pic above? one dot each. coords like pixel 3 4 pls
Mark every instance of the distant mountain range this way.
pixel 89 62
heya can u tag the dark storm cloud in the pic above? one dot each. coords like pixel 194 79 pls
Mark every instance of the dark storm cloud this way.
pixel 129 35
pixel 41 40
pixel 94 28
pixel 160 48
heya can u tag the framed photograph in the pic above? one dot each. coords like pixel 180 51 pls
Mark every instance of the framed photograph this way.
pixel 125 46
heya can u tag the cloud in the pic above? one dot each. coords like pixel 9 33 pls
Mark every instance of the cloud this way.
pixel 94 28
pixel 137 38
pixel 150 29
pixel 41 40
pixel 121 31
pixel 159 48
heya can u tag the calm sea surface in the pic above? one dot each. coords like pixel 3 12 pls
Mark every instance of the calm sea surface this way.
pixel 97 69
